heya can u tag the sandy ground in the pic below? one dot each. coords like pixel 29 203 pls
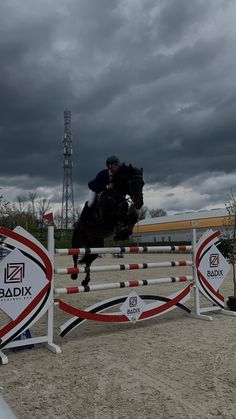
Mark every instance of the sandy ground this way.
pixel 173 366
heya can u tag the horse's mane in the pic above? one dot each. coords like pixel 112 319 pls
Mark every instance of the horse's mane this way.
pixel 124 171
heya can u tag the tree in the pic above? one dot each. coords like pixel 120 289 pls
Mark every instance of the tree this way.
pixel 6 212
pixel 142 213
pixel 145 212
pixel 231 234
pixel 78 213
pixel 21 201
pixel 158 212
pixel 32 197
pixel 43 206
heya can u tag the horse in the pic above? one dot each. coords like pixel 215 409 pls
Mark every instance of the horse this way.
pixel 114 212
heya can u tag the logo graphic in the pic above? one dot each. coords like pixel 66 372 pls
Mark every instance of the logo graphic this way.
pixel 133 301
pixel 212 268
pixel 133 306
pixel 14 273
pixel 214 260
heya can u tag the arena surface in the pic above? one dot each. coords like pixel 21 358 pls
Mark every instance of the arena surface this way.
pixel 173 366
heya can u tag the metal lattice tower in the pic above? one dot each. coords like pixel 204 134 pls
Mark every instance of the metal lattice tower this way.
pixel 67 211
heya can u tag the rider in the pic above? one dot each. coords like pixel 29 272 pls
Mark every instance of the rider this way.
pixel 101 183
pixel 103 180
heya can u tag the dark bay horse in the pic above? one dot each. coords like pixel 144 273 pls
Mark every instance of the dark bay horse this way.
pixel 114 212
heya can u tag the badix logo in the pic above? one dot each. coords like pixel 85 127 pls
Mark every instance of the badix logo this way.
pixel 133 301
pixel 214 261
pixel 133 306
pixel 14 274
pixel 22 279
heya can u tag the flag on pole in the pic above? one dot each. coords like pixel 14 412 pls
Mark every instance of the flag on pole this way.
pixel 48 217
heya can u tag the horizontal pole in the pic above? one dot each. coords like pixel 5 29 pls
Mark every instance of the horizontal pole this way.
pixel 128 284
pixel 120 249
pixel 122 267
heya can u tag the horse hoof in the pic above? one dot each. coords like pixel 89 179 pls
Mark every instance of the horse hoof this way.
pixel 74 276
pixel 85 282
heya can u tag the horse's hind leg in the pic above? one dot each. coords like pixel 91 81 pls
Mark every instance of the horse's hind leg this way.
pixel 86 280
pixel 88 259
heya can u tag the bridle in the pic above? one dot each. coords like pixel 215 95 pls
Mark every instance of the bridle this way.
pixel 135 185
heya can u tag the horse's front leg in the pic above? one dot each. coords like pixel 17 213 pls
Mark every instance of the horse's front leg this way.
pixel 75 260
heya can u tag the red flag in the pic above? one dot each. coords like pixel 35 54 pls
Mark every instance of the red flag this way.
pixel 48 216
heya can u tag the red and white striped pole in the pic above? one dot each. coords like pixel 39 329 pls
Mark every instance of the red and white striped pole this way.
pixel 128 284
pixel 122 267
pixel 120 249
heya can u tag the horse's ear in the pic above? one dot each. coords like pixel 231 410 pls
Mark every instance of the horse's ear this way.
pixel 141 170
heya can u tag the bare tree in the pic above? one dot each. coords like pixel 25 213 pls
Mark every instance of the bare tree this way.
pixel 43 205
pixel 57 219
pixel 32 197
pixel 77 213
pixel 21 202
pixel 5 208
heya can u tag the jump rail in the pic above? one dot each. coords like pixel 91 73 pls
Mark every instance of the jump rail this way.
pixel 127 284
pixel 122 267
pixel 120 249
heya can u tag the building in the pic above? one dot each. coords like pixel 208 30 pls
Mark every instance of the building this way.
pixel 178 228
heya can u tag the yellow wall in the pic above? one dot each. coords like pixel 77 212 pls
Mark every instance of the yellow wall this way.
pixel 181 225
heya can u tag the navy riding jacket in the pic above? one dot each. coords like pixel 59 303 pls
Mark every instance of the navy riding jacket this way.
pixel 100 182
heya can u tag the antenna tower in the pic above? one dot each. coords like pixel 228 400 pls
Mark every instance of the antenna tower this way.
pixel 67 211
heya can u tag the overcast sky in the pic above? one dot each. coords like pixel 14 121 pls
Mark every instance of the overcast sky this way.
pixel 152 81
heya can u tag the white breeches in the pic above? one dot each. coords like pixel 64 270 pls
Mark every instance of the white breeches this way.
pixel 92 196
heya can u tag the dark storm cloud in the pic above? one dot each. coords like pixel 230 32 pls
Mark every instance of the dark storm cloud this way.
pixel 151 81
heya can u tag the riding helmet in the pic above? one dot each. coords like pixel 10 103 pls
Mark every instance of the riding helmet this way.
pixel 112 159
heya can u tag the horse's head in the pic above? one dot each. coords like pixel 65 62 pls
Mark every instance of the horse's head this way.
pixel 128 180
pixel 136 184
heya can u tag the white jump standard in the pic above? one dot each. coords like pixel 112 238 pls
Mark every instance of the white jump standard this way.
pixel 29 267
